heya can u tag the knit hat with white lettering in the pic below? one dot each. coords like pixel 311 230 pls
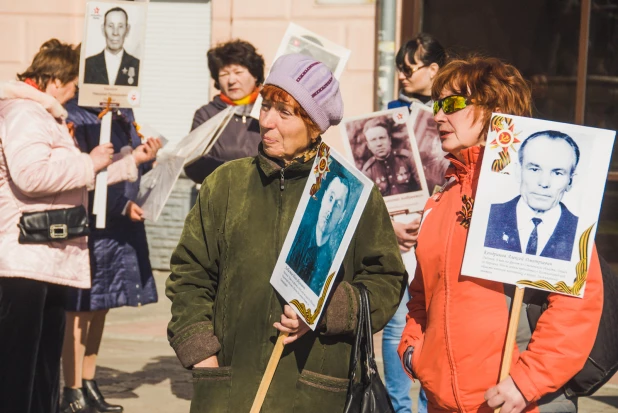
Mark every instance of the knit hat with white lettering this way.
pixel 312 85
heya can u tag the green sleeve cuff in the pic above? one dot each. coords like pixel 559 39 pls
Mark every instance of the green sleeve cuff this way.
pixel 342 312
pixel 195 343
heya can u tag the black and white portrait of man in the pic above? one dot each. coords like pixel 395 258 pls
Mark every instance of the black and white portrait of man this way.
pixel 536 222
pixel 113 65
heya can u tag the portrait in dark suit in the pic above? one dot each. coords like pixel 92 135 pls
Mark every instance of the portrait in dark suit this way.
pixel 113 65
pixel 323 226
pixel 536 222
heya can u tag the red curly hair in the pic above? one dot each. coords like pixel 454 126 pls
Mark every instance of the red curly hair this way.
pixel 488 83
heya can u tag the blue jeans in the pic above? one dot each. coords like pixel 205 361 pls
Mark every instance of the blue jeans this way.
pixel 397 382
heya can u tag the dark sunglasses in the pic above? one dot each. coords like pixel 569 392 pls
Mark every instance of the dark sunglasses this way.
pixel 409 71
pixel 450 104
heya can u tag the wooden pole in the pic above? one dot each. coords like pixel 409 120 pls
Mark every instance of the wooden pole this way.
pixel 582 62
pixel 511 335
pixel 268 374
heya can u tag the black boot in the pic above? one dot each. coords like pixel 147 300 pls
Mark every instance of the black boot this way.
pixel 74 401
pixel 95 398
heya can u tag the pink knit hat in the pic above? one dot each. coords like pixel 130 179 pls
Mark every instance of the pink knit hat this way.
pixel 312 85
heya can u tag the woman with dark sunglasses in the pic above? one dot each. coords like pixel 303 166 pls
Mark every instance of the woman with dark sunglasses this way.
pixel 454 337
pixel 418 61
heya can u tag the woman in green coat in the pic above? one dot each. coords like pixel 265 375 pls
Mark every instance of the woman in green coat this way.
pixel 225 315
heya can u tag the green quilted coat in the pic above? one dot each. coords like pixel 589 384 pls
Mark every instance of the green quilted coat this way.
pixel 223 303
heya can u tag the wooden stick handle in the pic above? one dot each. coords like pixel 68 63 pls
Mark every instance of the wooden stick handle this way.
pixel 269 373
pixel 511 335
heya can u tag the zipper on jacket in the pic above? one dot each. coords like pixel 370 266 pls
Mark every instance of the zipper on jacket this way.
pixel 282 179
pixel 447 298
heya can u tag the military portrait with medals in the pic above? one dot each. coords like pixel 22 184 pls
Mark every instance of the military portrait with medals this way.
pixel 112 53
pixel 383 147
pixel 391 169
pixel 113 66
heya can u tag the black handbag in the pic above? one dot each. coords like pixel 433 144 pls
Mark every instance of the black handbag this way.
pixel 53 225
pixel 367 394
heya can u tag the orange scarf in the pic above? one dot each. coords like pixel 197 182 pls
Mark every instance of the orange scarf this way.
pixel 247 100
pixel 32 83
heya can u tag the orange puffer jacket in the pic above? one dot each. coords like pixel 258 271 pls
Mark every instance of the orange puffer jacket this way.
pixel 457 324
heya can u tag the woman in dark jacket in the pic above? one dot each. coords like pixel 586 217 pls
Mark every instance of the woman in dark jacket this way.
pixel 225 314
pixel 238 72
pixel 120 267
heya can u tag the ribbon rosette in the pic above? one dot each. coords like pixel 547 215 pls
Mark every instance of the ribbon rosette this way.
pixel 506 138
pixel 321 168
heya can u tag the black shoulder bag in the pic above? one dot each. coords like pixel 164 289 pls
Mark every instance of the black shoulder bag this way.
pixel 368 394
pixel 53 225
pixel 50 225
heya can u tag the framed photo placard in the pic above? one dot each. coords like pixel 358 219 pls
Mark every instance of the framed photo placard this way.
pixel 383 148
pixel 112 53
pixel 297 39
pixel 325 221
pixel 537 204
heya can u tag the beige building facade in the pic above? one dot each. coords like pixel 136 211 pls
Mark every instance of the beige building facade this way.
pixel 174 73
pixel 28 23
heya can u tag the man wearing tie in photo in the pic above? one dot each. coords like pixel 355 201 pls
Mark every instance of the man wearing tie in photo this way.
pixel 536 222
pixel 113 66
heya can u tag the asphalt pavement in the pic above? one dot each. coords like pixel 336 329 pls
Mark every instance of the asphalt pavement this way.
pixel 139 370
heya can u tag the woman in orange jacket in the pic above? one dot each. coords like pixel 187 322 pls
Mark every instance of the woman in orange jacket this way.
pixel 456 328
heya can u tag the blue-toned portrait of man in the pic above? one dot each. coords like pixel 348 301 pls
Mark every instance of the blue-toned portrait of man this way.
pixel 323 226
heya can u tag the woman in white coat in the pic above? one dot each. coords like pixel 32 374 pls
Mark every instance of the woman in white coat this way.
pixel 42 169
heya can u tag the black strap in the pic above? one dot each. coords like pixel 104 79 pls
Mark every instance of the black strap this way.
pixel 356 352
pixel 363 351
pixel 369 361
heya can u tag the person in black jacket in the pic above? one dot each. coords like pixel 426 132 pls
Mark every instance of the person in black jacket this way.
pixel 238 72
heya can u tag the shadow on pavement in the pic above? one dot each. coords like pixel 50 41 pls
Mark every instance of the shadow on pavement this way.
pixel 609 400
pixel 121 385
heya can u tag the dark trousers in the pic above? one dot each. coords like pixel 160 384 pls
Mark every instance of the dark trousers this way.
pixel 31 333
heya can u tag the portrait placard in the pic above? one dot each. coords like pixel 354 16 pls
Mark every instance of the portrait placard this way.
pixel 156 186
pixel 383 148
pixel 425 131
pixel 327 215
pixel 297 39
pixel 112 52
pixel 537 203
